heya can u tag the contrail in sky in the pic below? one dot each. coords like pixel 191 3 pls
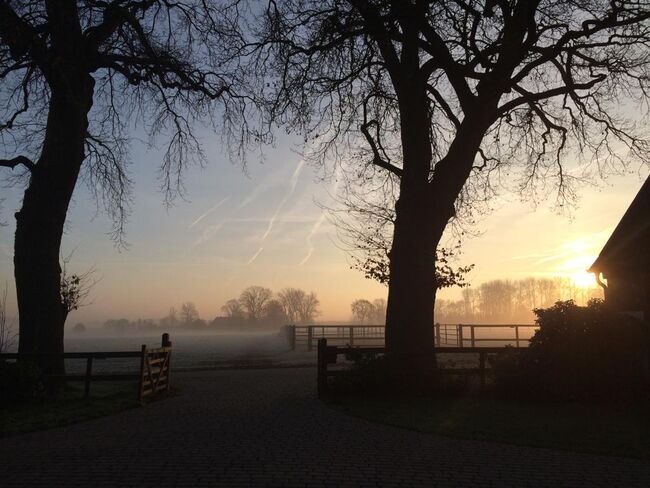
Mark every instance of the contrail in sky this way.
pixel 254 257
pixel 207 212
pixel 311 234
pixel 292 187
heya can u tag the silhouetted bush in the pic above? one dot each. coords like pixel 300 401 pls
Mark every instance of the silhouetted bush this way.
pixel 19 381
pixel 371 374
pixel 577 353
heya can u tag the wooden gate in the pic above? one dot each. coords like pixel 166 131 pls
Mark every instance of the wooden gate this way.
pixel 155 368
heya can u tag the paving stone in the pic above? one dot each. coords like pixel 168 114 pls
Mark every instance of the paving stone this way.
pixel 266 428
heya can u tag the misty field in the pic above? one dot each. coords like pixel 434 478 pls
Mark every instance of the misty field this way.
pixel 190 351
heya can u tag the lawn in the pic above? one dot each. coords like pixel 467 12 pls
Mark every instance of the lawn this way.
pixel 67 407
pixel 622 430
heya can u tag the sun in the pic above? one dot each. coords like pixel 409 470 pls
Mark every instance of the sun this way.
pixel 584 279
pixel 576 270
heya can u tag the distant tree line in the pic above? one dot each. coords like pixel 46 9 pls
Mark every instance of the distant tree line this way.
pixel 258 305
pixel 256 308
pixel 501 301
pixel 367 312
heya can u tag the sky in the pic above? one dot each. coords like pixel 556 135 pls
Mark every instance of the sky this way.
pixel 262 225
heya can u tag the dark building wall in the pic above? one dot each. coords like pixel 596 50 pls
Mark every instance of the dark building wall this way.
pixel 627 291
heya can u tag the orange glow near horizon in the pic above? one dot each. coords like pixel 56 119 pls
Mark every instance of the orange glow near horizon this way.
pixel 584 279
pixel 576 269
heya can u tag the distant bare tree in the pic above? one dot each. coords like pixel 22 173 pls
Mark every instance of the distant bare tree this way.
pixel 8 335
pixel 299 306
pixel 274 314
pixel 362 311
pixel 171 320
pixel 233 309
pixel 310 308
pixel 253 299
pixel 189 313
pixel 379 312
pixel 79 328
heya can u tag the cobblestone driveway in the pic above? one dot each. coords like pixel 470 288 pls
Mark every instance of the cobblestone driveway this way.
pixel 266 428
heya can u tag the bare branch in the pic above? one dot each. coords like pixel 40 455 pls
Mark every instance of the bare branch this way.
pixel 18 160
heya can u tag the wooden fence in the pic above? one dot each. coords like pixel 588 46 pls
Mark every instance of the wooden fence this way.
pixel 445 335
pixel 154 375
pixel 328 355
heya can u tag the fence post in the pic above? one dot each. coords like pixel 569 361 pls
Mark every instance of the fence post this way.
pixel 89 371
pixel 310 335
pixel 437 327
pixel 481 360
pixel 517 335
pixel 352 336
pixel 460 335
pixel 292 337
pixel 143 357
pixel 167 343
pixel 471 331
pixel 321 362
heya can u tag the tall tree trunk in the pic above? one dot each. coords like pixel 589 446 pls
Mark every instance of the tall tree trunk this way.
pixel 412 287
pixel 41 219
pixel 422 212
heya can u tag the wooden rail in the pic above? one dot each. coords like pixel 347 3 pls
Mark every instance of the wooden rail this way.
pixel 154 375
pixel 445 335
pixel 329 355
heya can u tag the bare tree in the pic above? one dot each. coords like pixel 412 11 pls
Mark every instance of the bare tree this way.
pixel 274 314
pixel 74 76
pixel 362 311
pixel 171 320
pixel 233 309
pixel 299 306
pixel 8 335
pixel 189 313
pixel 450 97
pixel 379 312
pixel 309 309
pixel 291 299
pixel 253 299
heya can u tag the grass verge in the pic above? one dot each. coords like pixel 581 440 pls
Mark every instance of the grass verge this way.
pixel 621 430
pixel 67 407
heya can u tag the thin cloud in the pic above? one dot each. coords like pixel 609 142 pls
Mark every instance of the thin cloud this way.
pixel 310 244
pixel 292 187
pixel 254 256
pixel 208 212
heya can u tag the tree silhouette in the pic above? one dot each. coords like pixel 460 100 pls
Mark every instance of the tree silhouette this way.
pixel 300 307
pixel 74 76
pixel 274 314
pixel 7 332
pixel 447 97
pixel 253 299
pixel 189 313
pixel 362 311
pixel 233 309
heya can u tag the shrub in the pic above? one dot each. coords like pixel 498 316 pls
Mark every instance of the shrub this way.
pixel 578 353
pixel 371 373
pixel 19 381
